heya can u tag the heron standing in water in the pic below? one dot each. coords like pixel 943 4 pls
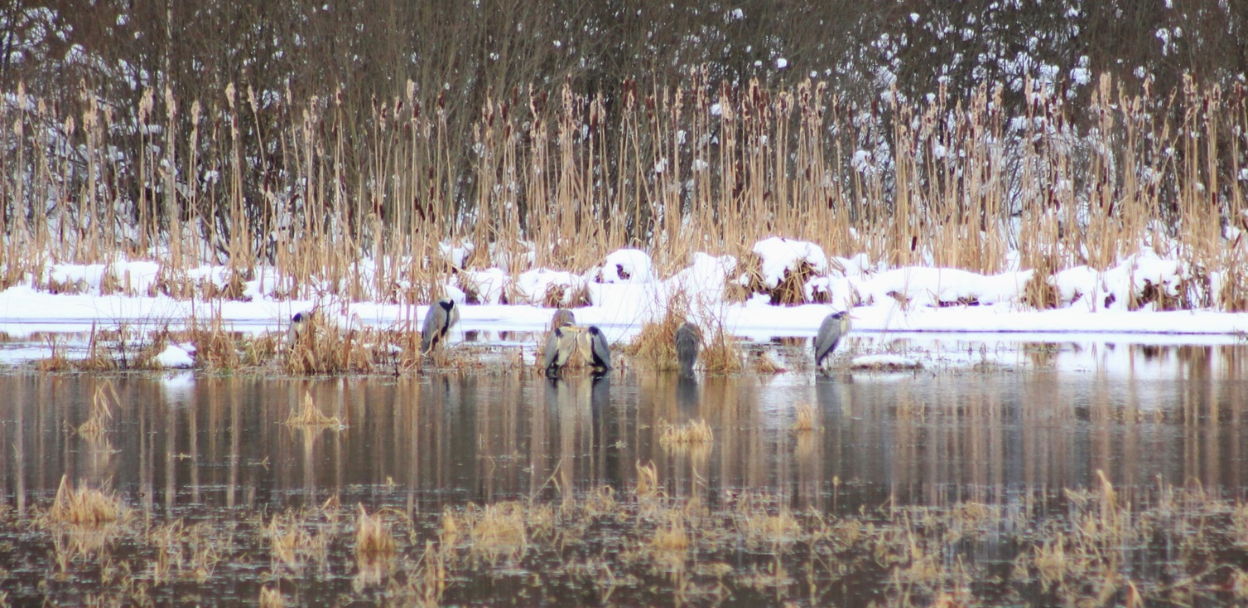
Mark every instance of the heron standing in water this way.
pixel 833 328
pixel 688 340
pixel 438 321
pixel 560 345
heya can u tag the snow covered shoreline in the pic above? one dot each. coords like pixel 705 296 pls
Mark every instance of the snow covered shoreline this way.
pixel 625 292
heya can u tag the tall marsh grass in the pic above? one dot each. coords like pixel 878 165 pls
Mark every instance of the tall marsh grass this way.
pixel 559 178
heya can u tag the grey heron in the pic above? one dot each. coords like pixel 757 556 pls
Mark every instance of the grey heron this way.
pixel 688 340
pixel 438 321
pixel 558 349
pixel 833 328
pixel 299 324
pixel 598 349
pixel 563 317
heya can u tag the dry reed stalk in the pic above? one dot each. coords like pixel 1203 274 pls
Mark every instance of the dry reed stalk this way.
pixel 84 506
pixel 56 360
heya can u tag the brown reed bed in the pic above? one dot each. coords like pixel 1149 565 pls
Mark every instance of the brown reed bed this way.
pixel 626 547
pixel 83 506
pixel 701 165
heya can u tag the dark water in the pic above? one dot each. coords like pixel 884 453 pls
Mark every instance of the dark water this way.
pixel 1178 415
pixel 997 426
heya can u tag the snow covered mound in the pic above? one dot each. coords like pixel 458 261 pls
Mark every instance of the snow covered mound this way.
pixel 626 266
pixel 939 287
pixel 704 280
pixel 784 267
pixel 551 288
pixel 487 286
pixel 175 356
pixel 1142 281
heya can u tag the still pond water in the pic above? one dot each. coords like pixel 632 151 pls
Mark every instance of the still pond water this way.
pixel 987 423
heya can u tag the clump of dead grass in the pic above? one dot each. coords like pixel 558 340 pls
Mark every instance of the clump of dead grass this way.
pixel 373 541
pixel 722 353
pixel 655 344
pixel 308 415
pixel 790 290
pixel 84 506
pixel 496 531
pixel 320 347
pixel 271 597
pixel 647 481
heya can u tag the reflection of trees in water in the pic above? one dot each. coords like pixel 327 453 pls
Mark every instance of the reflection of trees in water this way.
pixel 446 438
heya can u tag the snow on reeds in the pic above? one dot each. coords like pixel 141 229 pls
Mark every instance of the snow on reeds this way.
pixel 560 180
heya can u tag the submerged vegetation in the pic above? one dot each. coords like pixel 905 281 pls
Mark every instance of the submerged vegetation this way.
pixel 663 550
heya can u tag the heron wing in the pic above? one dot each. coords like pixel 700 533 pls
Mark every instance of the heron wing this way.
pixel 602 352
pixel 428 327
pixel 829 334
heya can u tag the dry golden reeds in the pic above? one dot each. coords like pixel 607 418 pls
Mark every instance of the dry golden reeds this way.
pixel 943 181
pixel 373 541
pixel 655 345
pixel 308 415
pixel 84 506
pixel 271 597
pixel 499 531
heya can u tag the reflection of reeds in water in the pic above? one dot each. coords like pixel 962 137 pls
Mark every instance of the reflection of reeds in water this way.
pixel 647 481
pixel 805 421
pixel 101 411
pixel 692 434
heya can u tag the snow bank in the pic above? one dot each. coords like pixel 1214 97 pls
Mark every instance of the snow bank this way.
pixel 780 255
pixel 624 293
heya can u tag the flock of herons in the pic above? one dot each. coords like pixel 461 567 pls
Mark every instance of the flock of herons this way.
pixel 565 339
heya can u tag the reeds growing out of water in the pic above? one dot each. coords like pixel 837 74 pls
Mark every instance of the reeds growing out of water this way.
pixel 560 177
